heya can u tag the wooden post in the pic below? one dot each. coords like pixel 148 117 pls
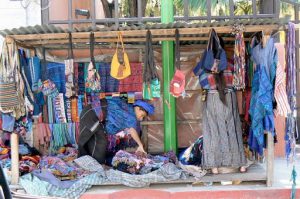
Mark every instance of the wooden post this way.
pixel 14 142
pixel 270 159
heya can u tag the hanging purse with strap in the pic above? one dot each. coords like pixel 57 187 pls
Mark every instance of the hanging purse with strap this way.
pixel 120 70
pixel 8 65
pixel 178 82
pixel 93 79
pixel 151 83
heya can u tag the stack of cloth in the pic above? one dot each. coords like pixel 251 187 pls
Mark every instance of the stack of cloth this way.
pixel 139 163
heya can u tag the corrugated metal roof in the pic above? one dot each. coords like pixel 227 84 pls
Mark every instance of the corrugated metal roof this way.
pixel 43 29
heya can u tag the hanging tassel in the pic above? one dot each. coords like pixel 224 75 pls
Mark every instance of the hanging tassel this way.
pixel 293 178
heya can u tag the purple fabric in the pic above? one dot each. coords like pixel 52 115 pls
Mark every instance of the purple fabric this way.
pixel 49 177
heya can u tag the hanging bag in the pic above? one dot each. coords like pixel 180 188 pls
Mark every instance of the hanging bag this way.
pixel 178 82
pixel 213 61
pixel 93 78
pixel 151 83
pixel 120 70
pixel 8 66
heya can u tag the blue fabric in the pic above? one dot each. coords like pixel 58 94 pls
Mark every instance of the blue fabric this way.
pixel 56 73
pixel 8 122
pixel 81 82
pixel 108 83
pixel 261 104
pixel 50 178
pixel 146 106
pixel 33 72
pixel 120 115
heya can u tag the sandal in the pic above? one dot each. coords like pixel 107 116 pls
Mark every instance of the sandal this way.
pixel 215 170
pixel 243 169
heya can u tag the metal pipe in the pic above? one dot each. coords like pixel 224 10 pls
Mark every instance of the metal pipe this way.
pixel 170 130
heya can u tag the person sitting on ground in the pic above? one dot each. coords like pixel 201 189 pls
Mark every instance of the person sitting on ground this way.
pixel 117 116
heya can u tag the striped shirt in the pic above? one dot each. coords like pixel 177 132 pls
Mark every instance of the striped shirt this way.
pixel 283 107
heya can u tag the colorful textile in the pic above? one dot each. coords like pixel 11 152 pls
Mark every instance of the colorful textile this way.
pixel 141 163
pixel 11 83
pixel 59 109
pixel 168 172
pixel 68 110
pixel 283 107
pixel 108 83
pixel 239 62
pixel 291 123
pixel 74 109
pixel 96 104
pixel 33 72
pixel 120 141
pixel 59 136
pixel 69 75
pixel 193 154
pixel 8 122
pixel 261 105
pixel 56 73
pixel 133 83
pixel 120 115
pixel 81 81
pixel 208 80
pixel 50 110
pixel 222 132
pixel 91 77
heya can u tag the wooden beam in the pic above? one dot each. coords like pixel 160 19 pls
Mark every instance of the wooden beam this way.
pixel 141 33
pixel 111 40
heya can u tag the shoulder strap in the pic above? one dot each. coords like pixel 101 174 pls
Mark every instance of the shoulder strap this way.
pixel 70 51
pixel 177 49
pixel 92 43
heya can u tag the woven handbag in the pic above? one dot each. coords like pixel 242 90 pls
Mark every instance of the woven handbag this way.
pixel 8 89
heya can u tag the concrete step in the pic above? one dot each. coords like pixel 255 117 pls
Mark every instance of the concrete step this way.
pixel 268 193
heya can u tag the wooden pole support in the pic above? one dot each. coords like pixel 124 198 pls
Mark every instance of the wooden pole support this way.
pixel 270 159
pixel 14 142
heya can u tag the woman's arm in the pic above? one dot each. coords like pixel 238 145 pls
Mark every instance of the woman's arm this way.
pixel 137 139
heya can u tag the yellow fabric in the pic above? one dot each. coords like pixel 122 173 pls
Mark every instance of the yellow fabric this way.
pixel 120 71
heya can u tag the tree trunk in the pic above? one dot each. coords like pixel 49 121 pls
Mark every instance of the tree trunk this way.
pixel 144 5
pixel 266 6
pixel 107 12
pixel 133 8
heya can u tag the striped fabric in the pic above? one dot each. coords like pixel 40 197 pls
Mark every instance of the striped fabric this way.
pixel 8 95
pixel 222 132
pixel 283 107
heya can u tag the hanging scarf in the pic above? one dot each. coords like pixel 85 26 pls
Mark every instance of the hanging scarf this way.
pixel 239 62
pixel 69 70
pixel 291 122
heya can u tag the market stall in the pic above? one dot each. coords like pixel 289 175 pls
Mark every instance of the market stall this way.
pixel 45 45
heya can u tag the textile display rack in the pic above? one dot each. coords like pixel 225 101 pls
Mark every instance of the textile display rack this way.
pixel 59 40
